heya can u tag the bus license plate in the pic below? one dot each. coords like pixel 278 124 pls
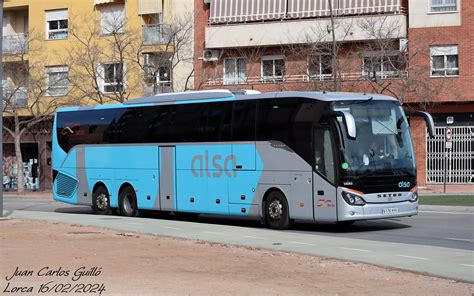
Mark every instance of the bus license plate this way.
pixel 390 211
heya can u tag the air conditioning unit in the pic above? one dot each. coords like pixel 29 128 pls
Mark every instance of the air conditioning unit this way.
pixel 210 55
pixel 403 44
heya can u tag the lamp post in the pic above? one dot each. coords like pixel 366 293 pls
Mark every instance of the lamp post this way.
pixel 1 110
pixel 334 49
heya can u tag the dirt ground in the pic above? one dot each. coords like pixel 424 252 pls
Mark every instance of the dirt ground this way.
pixel 136 264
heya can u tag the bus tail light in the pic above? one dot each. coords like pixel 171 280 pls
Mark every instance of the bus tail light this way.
pixel 55 173
pixel 352 198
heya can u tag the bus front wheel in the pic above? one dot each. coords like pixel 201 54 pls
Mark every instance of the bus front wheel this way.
pixel 277 215
pixel 128 202
pixel 101 201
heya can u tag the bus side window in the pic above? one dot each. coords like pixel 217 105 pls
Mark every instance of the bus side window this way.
pixel 161 125
pixel 128 127
pixel 218 128
pixel 189 122
pixel 243 120
pixel 100 124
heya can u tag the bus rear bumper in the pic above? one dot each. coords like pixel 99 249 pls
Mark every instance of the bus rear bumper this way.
pixel 347 212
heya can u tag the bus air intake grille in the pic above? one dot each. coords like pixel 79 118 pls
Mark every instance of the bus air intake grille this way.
pixel 65 185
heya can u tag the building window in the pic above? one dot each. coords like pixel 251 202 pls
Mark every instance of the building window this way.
pixel 111 77
pixel 273 68
pixel 56 24
pixel 444 61
pixel 381 65
pixel 57 81
pixel 157 73
pixel 235 71
pixel 320 67
pixel 112 19
pixel 443 5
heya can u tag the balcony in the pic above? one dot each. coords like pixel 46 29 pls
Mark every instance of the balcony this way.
pixel 15 97
pixel 15 44
pixel 156 34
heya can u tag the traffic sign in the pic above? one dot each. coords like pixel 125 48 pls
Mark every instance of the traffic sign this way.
pixel 449 134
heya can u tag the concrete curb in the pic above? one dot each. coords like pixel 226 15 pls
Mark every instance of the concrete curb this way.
pixel 456 209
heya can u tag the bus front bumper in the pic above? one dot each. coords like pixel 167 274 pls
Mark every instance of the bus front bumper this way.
pixel 348 212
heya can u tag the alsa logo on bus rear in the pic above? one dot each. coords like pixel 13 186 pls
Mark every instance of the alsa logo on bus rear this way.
pixel 404 184
pixel 72 128
pixel 200 165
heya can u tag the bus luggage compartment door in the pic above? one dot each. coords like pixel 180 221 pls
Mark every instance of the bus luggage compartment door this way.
pixel 168 178
pixel 325 200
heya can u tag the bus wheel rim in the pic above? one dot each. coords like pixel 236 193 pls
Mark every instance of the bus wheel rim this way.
pixel 102 201
pixel 275 210
pixel 127 203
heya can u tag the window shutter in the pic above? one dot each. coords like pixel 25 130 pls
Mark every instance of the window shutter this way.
pixel 443 50
pixel 100 77
pixel 112 18
pixel 56 15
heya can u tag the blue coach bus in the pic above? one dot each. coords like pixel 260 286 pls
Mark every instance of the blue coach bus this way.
pixel 280 157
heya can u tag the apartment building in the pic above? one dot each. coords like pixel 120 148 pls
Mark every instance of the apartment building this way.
pixel 445 29
pixel 407 49
pixel 84 52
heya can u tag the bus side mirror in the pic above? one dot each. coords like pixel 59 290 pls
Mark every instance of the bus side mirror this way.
pixel 427 117
pixel 348 119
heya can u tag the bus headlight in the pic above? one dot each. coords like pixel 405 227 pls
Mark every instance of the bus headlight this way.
pixel 414 196
pixel 353 199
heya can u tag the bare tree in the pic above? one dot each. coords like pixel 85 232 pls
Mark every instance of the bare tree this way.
pixel 100 55
pixel 25 96
pixel 319 54
pixel 391 63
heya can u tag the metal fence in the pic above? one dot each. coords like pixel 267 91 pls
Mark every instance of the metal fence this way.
pixel 457 163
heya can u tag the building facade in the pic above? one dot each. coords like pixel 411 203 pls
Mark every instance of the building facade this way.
pixel 444 28
pixel 406 49
pixel 59 52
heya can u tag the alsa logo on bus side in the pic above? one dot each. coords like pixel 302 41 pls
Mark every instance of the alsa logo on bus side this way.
pixel 200 165
pixel 404 184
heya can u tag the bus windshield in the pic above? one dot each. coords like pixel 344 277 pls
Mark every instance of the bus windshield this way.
pixel 383 146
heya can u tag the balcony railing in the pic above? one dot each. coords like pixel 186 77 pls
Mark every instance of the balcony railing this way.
pixel 15 44
pixel 156 34
pixel 223 11
pixel 15 97
pixel 303 78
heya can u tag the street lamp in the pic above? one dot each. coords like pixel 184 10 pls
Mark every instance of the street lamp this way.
pixel 1 108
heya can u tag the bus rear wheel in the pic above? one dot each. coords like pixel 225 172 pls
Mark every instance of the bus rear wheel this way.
pixel 128 202
pixel 277 215
pixel 101 201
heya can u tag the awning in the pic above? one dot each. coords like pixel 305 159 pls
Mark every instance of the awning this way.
pixel 149 7
pixel 224 11
pixel 97 2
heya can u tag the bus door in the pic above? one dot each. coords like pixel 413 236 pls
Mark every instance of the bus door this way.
pixel 324 175
pixel 167 178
